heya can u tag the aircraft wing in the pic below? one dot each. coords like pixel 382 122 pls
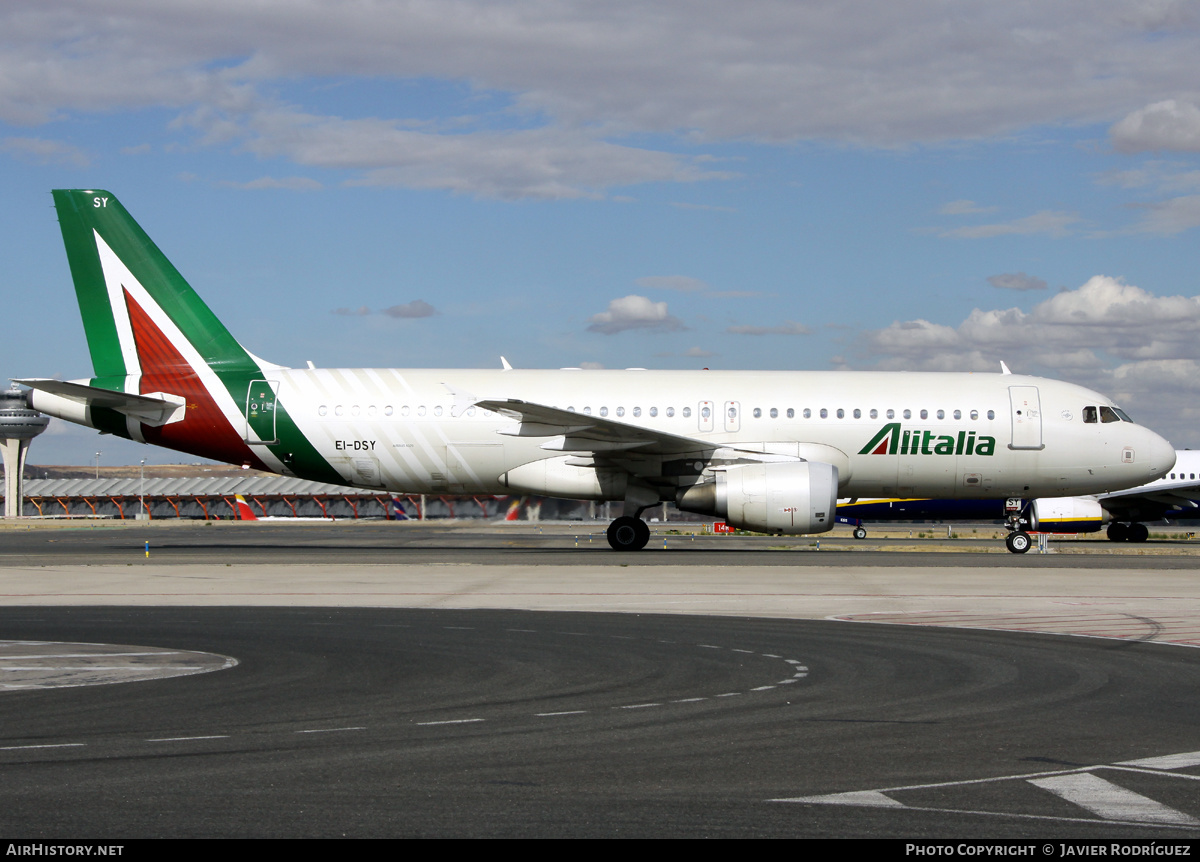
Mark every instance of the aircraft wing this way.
pixel 568 431
pixel 1154 501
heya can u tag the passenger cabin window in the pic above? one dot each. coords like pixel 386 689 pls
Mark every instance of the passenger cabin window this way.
pixel 791 414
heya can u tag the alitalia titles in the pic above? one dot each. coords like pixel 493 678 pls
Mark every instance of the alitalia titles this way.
pixel 892 439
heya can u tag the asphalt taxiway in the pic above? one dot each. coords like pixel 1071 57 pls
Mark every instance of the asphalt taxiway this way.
pixel 404 680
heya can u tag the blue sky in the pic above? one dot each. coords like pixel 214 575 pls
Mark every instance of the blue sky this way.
pixel 792 185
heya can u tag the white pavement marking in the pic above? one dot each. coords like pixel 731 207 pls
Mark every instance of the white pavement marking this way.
pixel 1110 801
pixel 451 721
pixel 51 745
pixel 29 664
pixel 331 730
pixel 866 798
pixel 565 712
pixel 187 738
pixel 1170 761
pixel 1080 787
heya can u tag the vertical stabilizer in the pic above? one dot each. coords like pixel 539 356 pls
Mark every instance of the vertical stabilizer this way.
pixel 151 335
pixel 121 277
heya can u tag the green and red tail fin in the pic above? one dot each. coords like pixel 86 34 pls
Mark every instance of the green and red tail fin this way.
pixel 120 274
pixel 151 335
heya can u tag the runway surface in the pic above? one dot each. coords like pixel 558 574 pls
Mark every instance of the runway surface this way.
pixel 436 680
pixel 403 722
pixel 524 543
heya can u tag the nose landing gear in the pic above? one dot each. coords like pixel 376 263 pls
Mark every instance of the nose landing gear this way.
pixel 1018 541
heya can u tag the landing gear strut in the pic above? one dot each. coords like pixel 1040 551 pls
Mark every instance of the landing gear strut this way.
pixel 628 534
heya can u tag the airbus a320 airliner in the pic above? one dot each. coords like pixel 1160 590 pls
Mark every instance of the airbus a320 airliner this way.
pixel 767 451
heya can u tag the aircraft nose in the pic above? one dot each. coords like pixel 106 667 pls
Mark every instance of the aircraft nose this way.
pixel 1161 454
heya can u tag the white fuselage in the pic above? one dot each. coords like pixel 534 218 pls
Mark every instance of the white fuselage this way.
pixel 416 431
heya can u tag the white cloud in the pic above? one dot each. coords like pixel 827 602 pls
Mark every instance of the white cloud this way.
pixel 416 308
pixel 1165 176
pixel 1105 334
pixel 634 312
pixel 1016 281
pixel 681 283
pixel 865 71
pixel 40 151
pixel 543 163
pixel 1166 125
pixel 291 183
pixel 789 327
pixel 1054 224
pixel 1168 217
pixel 963 207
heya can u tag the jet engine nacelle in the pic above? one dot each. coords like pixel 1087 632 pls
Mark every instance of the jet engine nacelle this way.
pixel 791 497
pixel 1066 515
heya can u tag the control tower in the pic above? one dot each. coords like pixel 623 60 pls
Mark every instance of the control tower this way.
pixel 19 424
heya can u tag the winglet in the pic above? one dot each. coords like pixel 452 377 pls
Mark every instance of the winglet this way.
pixel 504 364
pixel 1004 368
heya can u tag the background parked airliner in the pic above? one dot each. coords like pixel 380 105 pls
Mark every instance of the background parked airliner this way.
pixel 768 451
pixel 1173 496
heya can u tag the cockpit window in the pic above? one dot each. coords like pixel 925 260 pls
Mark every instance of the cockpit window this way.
pixel 1124 416
pixel 1107 414
pixel 1090 414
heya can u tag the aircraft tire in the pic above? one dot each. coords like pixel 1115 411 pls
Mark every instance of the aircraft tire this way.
pixel 628 534
pixel 1138 533
pixel 1118 532
pixel 1018 542
pixel 860 532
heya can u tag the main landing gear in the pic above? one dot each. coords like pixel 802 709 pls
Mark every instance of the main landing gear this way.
pixel 1118 532
pixel 628 533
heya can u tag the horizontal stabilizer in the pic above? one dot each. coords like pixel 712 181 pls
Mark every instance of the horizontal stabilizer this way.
pixel 157 409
